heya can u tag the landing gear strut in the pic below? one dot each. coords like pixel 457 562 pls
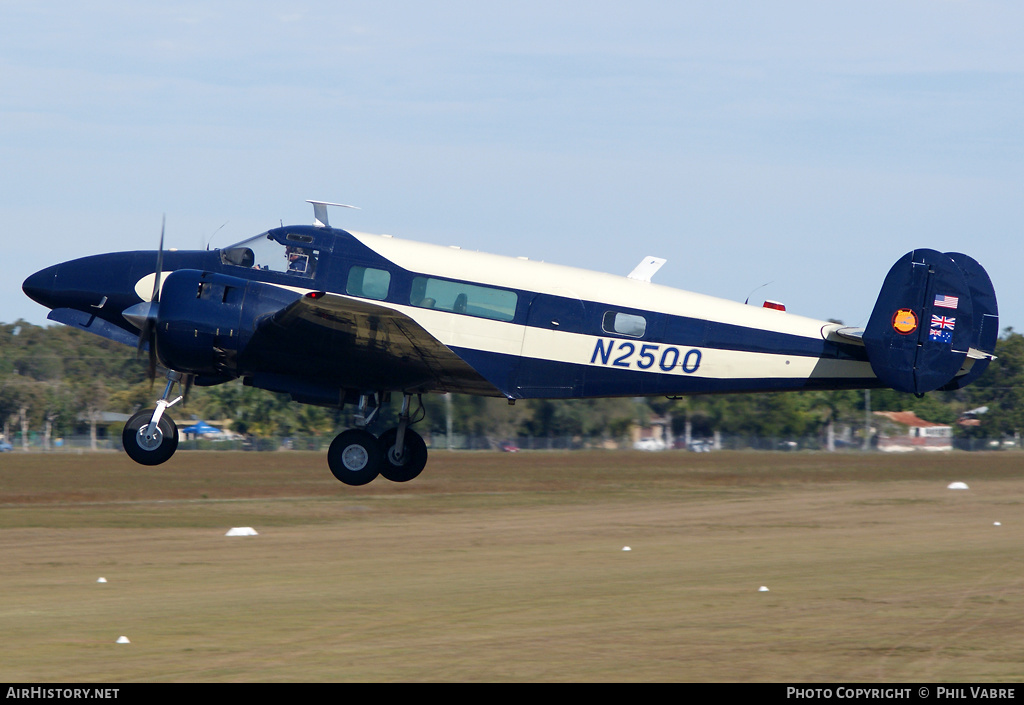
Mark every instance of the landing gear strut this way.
pixel 149 437
pixel 356 457
pixel 405 453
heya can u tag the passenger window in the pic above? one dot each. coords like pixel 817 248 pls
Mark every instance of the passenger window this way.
pixel 368 282
pixel 460 297
pixel 624 324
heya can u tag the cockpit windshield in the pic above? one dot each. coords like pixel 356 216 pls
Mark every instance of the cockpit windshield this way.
pixel 263 252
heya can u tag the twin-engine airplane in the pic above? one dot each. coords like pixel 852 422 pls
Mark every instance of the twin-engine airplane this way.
pixel 333 317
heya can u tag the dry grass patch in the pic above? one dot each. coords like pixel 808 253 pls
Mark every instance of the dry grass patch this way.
pixel 510 567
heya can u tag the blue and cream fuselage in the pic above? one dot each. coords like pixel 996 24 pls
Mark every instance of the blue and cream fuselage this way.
pixel 577 333
pixel 363 313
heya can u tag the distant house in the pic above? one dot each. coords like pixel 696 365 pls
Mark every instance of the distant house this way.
pixel 102 420
pixel 655 435
pixel 900 431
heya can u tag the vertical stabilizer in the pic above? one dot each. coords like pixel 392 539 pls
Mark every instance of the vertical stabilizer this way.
pixel 932 311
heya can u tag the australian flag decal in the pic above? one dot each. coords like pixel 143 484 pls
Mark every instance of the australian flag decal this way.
pixel 941 329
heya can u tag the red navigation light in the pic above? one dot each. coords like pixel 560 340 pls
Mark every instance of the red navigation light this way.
pixel 316 294
pixel 774 305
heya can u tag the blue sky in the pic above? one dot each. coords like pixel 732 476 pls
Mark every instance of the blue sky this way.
pixel 805 144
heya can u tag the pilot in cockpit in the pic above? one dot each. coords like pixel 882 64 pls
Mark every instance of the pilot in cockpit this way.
pixel 300 260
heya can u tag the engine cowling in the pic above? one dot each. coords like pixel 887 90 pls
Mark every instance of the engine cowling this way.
pixel 206 319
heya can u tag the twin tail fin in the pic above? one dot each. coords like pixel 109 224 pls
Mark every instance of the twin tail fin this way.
pixel 935 323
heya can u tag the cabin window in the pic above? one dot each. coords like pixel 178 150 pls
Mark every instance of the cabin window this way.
pixel 459 297
pixel 624 324
pixel 368 282
pixel 265 253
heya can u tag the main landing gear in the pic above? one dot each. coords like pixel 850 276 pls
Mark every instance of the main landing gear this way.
pixel 356 456
pixel 149 437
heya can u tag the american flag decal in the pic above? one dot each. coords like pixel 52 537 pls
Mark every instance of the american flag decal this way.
pixel 943 322
pixel 946 301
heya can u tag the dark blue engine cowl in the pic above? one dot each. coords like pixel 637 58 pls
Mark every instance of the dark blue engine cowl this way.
pixel 205 320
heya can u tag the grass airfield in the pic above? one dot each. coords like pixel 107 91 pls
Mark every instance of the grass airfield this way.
pixel 510 567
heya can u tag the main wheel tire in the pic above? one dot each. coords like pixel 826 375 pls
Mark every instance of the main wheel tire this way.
pixel 148 448
pixel 413 460
pixel 355 457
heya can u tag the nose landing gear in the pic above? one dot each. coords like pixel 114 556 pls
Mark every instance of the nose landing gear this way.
pixel 150 437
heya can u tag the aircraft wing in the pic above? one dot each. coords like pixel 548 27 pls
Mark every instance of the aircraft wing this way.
pixel 356 344
pixel 93 324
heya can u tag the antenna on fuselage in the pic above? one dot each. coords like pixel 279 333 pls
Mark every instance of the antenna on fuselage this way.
pixel 752 292
pixel 214 233
pixel 320 212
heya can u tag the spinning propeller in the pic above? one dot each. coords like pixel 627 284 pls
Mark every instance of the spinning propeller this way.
pixel 144 316
pixel 147 331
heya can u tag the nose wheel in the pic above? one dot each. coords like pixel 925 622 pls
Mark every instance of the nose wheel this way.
pixel 150 437
pixel 147 443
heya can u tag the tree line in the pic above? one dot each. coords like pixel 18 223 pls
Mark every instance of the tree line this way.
pixel 57 381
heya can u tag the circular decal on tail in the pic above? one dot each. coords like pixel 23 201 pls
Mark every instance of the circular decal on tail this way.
pixel 904 321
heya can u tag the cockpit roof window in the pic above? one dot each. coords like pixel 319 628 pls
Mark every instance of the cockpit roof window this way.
pixel 265 253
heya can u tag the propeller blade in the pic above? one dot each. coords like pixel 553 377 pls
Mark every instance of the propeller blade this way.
pixel 159 262
pixel 147 339
pixel 151 371
pixel 143 338
pixel 147 326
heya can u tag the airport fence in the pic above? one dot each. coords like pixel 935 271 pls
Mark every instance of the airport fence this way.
pixel 83 444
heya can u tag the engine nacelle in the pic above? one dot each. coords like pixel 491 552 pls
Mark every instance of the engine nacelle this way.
pixel 205 319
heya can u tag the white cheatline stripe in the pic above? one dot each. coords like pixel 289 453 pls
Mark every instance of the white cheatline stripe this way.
pixel 485 335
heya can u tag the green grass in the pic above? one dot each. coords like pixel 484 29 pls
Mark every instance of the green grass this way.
pixel 511 568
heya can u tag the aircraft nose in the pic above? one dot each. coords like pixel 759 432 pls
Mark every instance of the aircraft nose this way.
pixel 40 286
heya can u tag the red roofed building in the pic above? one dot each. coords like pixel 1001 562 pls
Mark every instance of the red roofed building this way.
pixel 904 430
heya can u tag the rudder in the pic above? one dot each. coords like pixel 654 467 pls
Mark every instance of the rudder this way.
pixel 933 308
pixel 985 314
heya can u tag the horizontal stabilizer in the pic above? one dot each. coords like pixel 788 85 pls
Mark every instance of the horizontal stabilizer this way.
pixel 853 334
pixel 934 324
